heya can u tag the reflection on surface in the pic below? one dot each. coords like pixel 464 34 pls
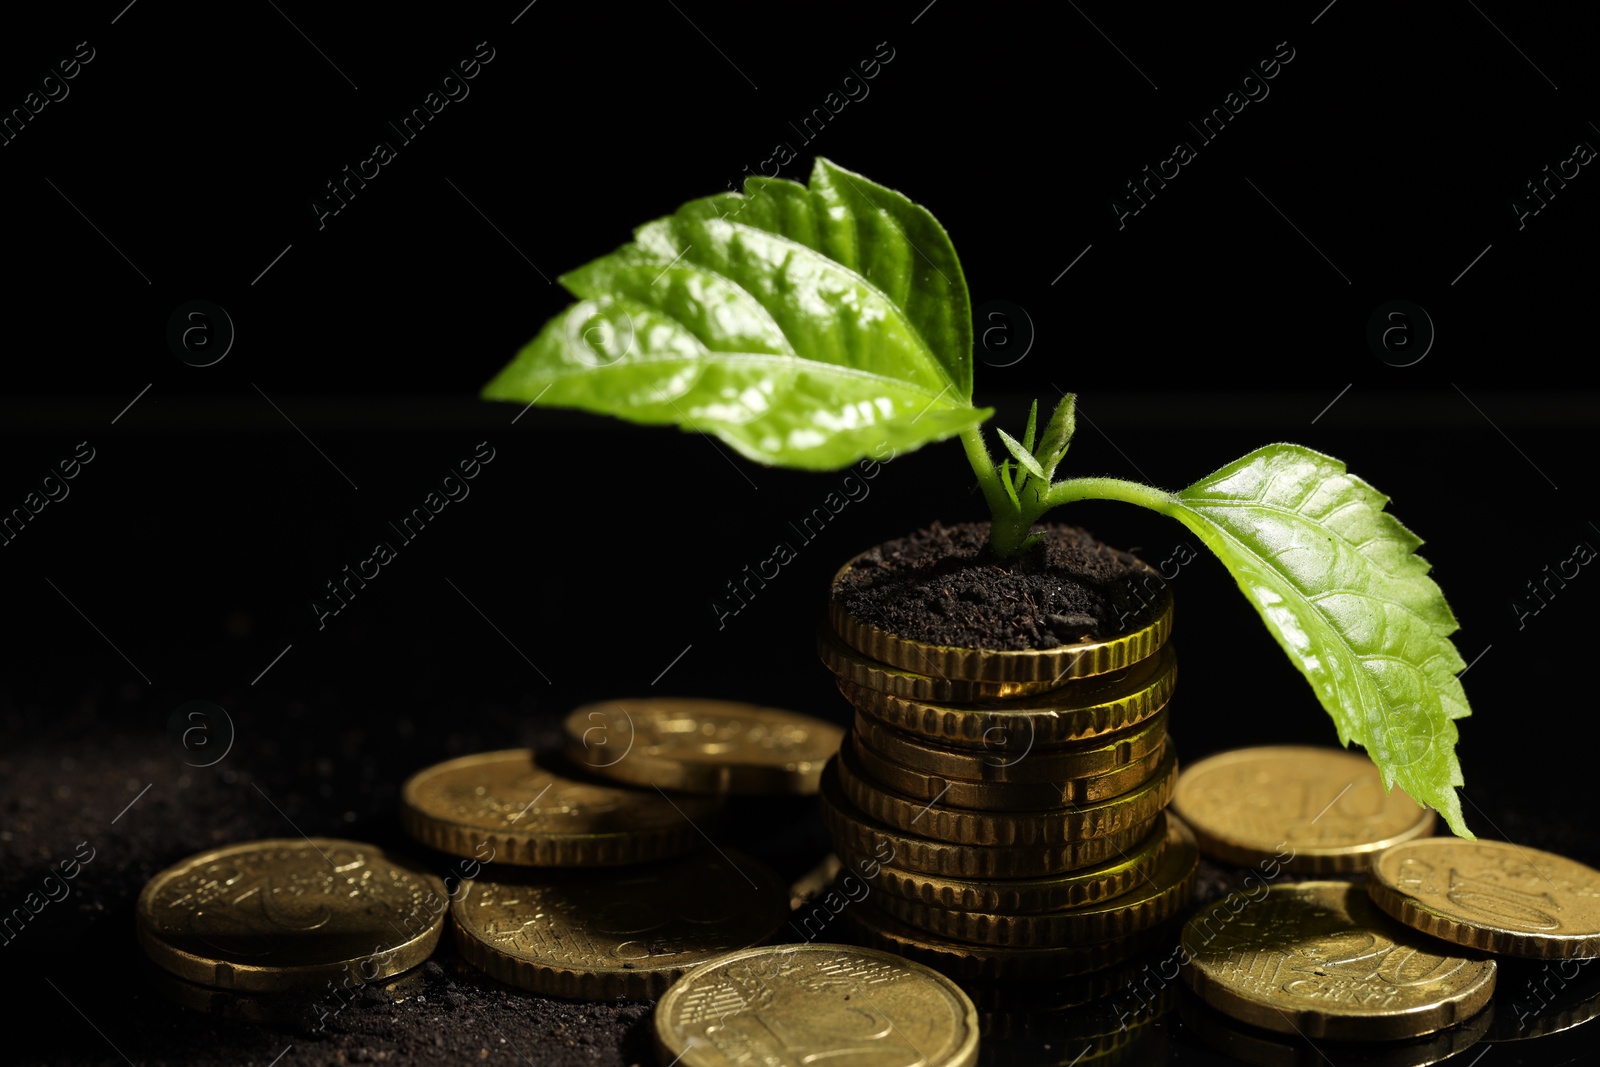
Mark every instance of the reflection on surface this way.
pixel 1538 998
pixel 1270 1049
pixel 1097 1031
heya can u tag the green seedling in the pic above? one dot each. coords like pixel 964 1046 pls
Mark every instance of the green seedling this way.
pixel 809 326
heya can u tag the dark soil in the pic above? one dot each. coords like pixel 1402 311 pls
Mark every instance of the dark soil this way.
pixel 944 586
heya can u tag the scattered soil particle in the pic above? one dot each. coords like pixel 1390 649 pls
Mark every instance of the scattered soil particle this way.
pixel 944 586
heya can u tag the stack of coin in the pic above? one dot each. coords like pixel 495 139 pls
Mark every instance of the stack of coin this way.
pixel 1018 796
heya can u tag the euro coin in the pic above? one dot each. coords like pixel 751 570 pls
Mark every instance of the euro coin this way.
pixel 1008 828
pixel 805 1004
pixel 701 746
pixel 1491 895
pixel 857 836
pixel 1131 867
pixel 965 961
pixel 1063 792
pixel 1157 898
pixel 1078 711
pixel 1319 960
pixel 1325 808
pixel 620 932
pixel 513 807
pixel 267 916
pixel 1016 764
pixel 852 667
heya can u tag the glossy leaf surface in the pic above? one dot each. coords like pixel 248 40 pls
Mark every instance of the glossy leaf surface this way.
pixel 1337 581
pixel 804 327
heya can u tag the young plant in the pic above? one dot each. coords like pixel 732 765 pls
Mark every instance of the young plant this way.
pixel 808 326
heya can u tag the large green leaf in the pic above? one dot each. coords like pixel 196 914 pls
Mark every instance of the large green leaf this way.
pixel 805 327
pixel 1337 581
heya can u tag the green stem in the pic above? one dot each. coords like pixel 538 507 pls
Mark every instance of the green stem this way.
pixel 1008 532
pixel 1107 489
pixel 983 467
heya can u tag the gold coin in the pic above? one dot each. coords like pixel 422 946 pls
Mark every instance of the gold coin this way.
pixel 1007 828
pixel 597 934
pixel 1143 629
pixel 1491 895
pixel 1005 796
pixel 1154 899
pixel 1327 805
pixel 852 667
pixel 805 1004
pixel 1016 764
pixel 1078 711
pixel 969 962
pixel 1319 960
pixel 1030 895
pixel 856 836
pixel 267 916
pixel 701 746
pixel 513 807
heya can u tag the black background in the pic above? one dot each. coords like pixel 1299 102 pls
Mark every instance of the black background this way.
pixel 1231 311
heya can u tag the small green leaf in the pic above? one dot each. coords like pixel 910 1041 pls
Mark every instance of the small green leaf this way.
pixel 1057 434
pixel 1033 424
pixel 1337 581
pixel 805 327
pixel 1005 480
pixel 1023 457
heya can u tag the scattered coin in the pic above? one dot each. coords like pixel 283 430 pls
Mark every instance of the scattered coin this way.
pixel 511 807
pixel 1327 805
pixel 815 1004
pixel 282 914
pixel 1319 960
pixel 619 932
pixel 1491 895
pixel 701 746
